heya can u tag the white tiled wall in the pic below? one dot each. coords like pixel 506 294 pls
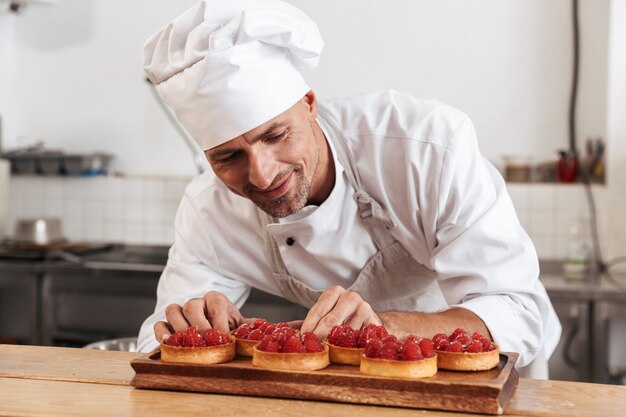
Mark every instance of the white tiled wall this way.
pixel 550 212
pixel 100 209
pixel 141 210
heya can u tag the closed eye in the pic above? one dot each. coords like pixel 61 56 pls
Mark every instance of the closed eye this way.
pixel 226 157
pixel 277 138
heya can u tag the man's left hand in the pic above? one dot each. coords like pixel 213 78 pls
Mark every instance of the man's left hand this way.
pixel 337 306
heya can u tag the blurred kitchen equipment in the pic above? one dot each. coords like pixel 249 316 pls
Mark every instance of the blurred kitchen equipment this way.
pixel 5 168
pixel 517 168
pixel 42 231
pixel 123 344
pixel 593 161
pixel 578 254
pixel 91 164
pixel 566 166
pixel 49 162
pixel 36 159
pixel 24 160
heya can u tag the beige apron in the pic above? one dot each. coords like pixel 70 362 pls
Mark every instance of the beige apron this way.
pixel 391 279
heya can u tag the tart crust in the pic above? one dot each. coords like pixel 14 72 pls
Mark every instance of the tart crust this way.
pixel 465 361
pixel 200 355
pixel 420 368
pixel 344 355
pixel 244 347
pixel 306 361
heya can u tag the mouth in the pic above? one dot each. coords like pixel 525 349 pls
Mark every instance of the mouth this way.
pixel 275 191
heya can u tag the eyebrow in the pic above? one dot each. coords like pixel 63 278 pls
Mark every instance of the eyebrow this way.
pixel 268 132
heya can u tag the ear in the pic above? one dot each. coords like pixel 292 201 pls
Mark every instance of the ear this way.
pixel 310 102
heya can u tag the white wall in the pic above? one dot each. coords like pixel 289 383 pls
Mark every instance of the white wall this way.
pixel 505 63
pixel 616 122
pixel 81 86
pixel 8 75
pixel 71 75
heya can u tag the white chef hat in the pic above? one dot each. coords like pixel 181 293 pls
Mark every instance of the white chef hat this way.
pixel 228 66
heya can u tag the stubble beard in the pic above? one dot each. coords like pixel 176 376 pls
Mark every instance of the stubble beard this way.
pixel 285 205
pixel 290 203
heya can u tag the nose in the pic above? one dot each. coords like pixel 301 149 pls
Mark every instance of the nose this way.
pixel 262 168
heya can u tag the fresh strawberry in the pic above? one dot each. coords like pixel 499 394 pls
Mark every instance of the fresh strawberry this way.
pixel 439 337
pixel 211 337
pixel 243 331
pixel 372 347
pixel 258 323
pixel 333 335
pixel 269 329
pixel 475 347
pixel 255 334
pixel 268 344
pixel 487 345
pixel 193 339
pixel 292 345
pixel 411 352
pixel 456 333
pixel 463 339
pixel 311 343
pixel 388 351
pixel 177 339
pixel 442 344
pixel 427 348
pixel 283 333
pixel 454 347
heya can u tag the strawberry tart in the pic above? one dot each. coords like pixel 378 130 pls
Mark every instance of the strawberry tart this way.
pixel 461 352
pixel 287 350
pixel 194 346
pixel 414 357
pixel 346 345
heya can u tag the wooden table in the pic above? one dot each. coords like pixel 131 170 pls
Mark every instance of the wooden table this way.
pixel 50 381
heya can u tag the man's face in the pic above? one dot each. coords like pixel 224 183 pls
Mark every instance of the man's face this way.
pixel 275 164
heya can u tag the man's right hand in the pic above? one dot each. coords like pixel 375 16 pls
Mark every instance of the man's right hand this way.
pixel 214 310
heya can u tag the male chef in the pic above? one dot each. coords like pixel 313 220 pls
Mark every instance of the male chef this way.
pixel 376 208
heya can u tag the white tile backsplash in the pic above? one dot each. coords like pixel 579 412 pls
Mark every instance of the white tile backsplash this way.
pixel 549 211
pixel 142 210
pixel 100 209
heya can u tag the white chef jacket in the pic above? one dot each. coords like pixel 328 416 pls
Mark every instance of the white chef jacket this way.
pixel 420 160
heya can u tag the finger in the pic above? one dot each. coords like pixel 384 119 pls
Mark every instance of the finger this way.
pixel 195 314
pixel 295 324
pixel 346 306
pixel 235 319
pixel 175 317
pixel 363 316
pixel 324 305
pixel 248 320
pixel 162 330
pixel 221 312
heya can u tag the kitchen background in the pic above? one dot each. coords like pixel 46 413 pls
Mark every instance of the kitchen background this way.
pixel 71 77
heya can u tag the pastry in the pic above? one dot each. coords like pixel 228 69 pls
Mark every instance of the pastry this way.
pixel 194 346
pixel 460 352
pixel 286 350
pixel 248 335
pixel 413 358
pixel 346 345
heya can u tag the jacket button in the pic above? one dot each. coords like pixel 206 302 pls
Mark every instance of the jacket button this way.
pixel 290 241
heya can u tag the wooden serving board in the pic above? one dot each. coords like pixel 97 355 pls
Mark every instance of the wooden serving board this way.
pixel 478 392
